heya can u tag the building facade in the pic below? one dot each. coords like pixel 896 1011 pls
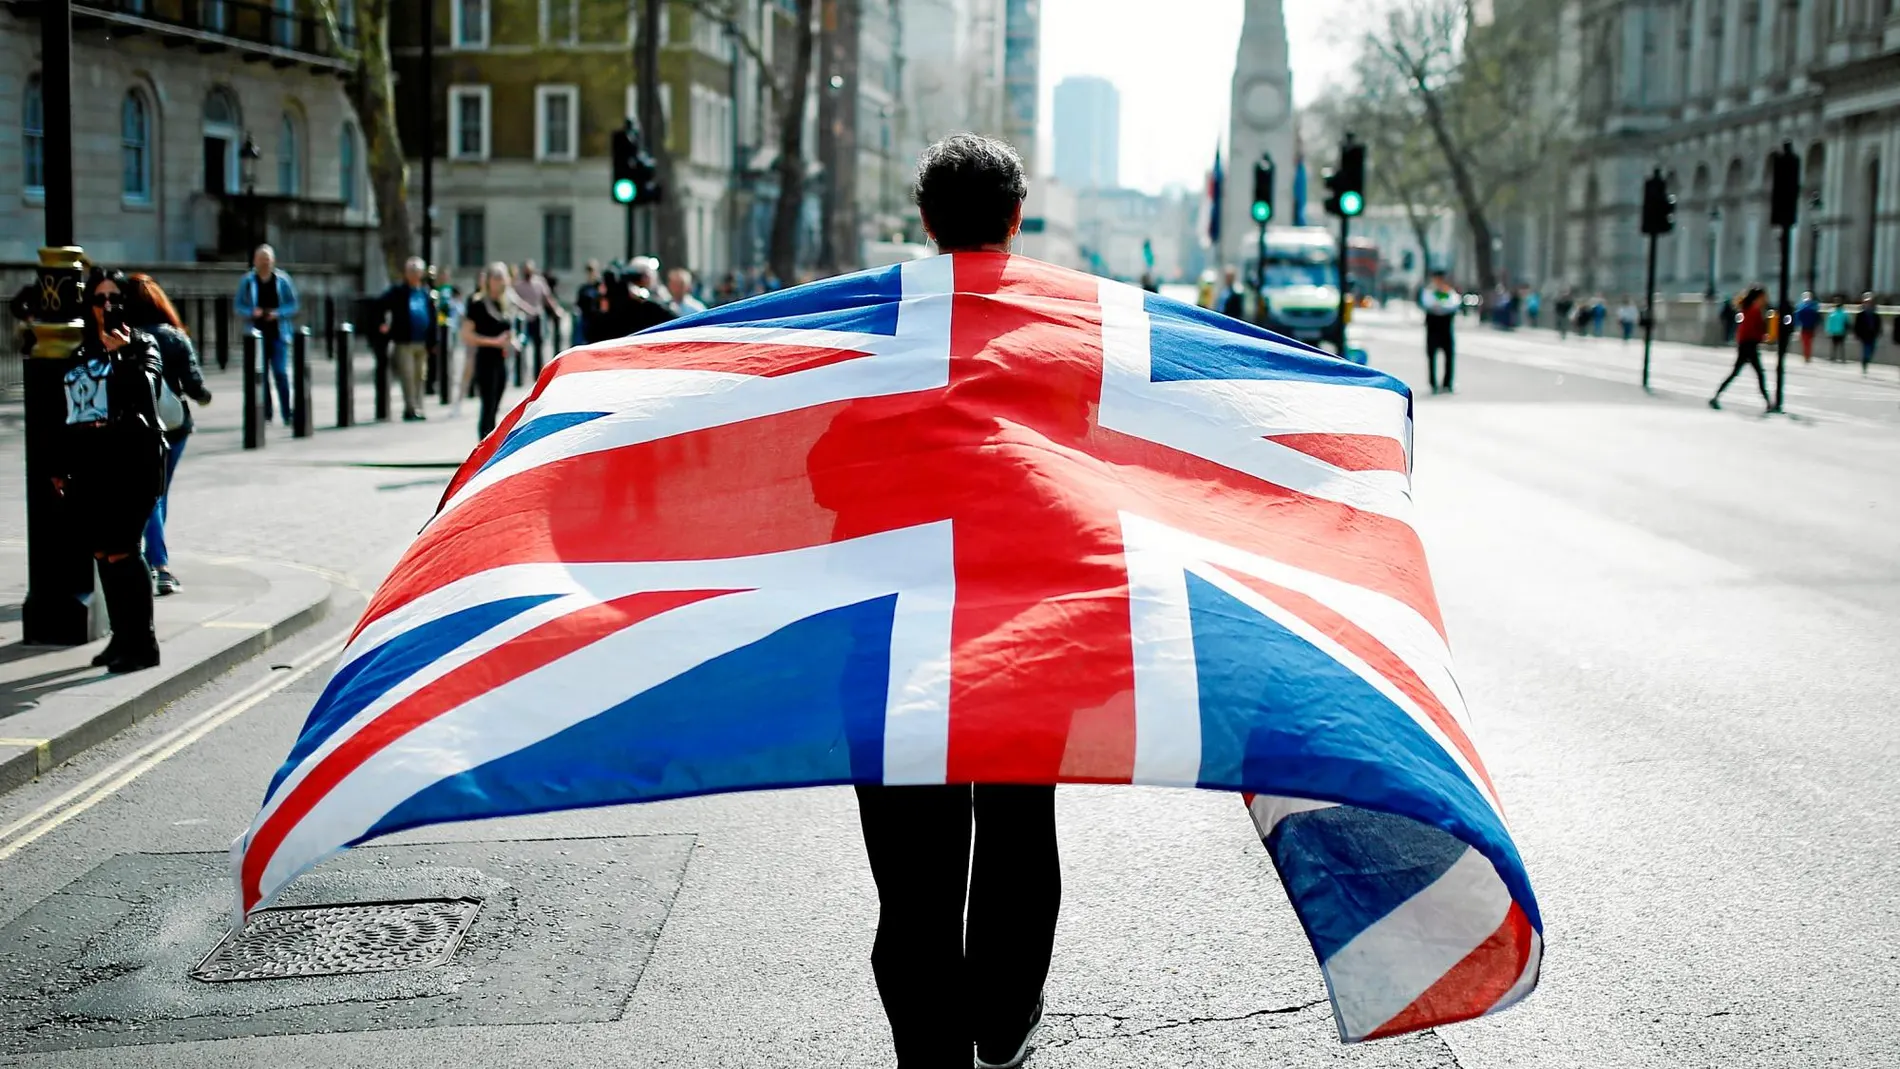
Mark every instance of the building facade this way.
pixel 198 130
pixel 1087 119
pixel 1124 233
pixel 1707 90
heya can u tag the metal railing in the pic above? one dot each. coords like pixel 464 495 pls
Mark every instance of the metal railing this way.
pixel 243 20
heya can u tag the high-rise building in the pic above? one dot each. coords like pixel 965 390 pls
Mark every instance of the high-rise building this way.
pixel 1022 65
pixel 1088 133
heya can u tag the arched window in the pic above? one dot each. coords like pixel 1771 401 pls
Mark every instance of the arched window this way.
pixel 135 139
pixel 33 136
pixel 346 165
pixel 289 162
pixel 221 141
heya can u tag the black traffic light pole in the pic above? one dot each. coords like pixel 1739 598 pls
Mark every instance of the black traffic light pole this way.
pixel 1784 198
pixel 1263 179
pixel 1649 310
pixel 1659 218
pixel 1345 227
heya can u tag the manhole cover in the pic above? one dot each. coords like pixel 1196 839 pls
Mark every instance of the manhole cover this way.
pixel 357 937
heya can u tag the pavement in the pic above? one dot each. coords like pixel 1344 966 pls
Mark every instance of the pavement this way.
pixel 1675 628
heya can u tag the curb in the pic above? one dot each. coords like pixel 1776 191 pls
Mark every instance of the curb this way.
pixel 64 727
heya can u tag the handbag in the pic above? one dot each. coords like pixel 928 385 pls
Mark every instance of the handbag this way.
pixel 171 410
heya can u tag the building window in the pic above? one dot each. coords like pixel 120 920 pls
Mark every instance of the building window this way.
pixel 560 20
pixel 283 23
pixel 135 139
pixel 33 136
pixel 557 239
pixel 471 238
pixel 289 158
pixel 470 18
pixel 346 165
pixel 468 122
pixel 555 107
pixel 212 15
pixel 221 140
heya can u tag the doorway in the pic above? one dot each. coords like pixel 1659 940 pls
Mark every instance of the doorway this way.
pixel 217 170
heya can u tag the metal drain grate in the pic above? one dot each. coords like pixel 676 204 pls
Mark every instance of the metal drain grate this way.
pixel 358 937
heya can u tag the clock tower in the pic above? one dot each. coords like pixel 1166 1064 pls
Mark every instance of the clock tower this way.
pixel 1261 120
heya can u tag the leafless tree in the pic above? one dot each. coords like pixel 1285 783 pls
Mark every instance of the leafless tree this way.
pixel 371 88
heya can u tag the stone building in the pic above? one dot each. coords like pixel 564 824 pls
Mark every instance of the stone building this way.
pixel 167 96
pixel 1707 90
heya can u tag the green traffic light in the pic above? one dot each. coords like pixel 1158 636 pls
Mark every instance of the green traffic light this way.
pixel 1351 203
pixel 1262 211
pixel 625 190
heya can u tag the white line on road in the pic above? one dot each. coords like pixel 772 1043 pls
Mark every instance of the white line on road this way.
pixel 109 780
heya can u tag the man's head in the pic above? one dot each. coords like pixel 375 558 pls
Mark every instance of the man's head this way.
pixel 412 270
pixel 679 282
pixel 264 259
pixel 527 270
pixel 970 192
pixel 1230 274
pixel 593 270
pixel 1867 299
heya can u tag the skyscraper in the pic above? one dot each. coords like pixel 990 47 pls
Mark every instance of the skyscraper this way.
pixel 1088 119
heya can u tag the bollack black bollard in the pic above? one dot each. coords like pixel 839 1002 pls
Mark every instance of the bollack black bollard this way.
pixel 221 324
pixel 300 383
pixel 441 332
pixel 253 394
pixel 379 345
pixel 343 352
pixel 329 326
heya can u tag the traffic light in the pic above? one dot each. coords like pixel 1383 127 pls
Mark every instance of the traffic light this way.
pixel 1347 184
pixel 635 175
pixel 1263 190
pixel 1659 205
pixel 1787 187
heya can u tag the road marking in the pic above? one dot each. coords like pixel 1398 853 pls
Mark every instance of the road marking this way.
pixel 108 781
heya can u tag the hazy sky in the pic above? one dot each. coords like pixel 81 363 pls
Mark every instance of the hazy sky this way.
pixel 1173 61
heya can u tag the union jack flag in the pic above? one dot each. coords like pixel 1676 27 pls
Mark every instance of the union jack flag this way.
pixel 970 519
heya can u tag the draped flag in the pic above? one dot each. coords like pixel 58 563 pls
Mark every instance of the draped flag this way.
pixel 968 519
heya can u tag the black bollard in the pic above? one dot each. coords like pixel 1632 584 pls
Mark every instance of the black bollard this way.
pixel 253 395
pixel 329 326
pixel 221 322
pixel 300 383
pixel 379 345
pixel 343 352
pixel 441 332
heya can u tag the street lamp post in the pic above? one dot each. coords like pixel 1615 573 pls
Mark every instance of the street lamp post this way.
pixel 426 14
pixel 1715 218
pixel 1814 239
pixel 61 608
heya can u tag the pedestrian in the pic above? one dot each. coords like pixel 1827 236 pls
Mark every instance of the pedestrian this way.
pixel 642 307
pixel 1566 308
pixel 450 307
pixel 1598 312
pixel 406 316
pixel 532 291
pixel 1232 302
pixel 267 299
pixel 964 936
pixel 1750 328
pixel 1626 317
pixel 488 331
pixel 1726 314
pixel 679 289
pixel 1837 321
pixel 1867 329
pixel 1441 303
pixel 586 305
pixel 1533 307
pixel 727 291
pixel 110 459
pixel 147 308
pixel 1807 317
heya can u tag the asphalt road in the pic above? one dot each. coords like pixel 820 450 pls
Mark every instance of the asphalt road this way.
pixel 1677 629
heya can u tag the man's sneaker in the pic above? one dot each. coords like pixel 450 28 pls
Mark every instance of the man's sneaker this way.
pixel 164 582
pixel 987 1058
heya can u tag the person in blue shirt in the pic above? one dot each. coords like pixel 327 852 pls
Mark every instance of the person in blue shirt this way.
pixel 1807 317
pixel 267 299
pixel 405 316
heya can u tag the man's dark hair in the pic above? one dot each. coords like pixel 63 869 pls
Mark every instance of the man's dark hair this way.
pixel 968 190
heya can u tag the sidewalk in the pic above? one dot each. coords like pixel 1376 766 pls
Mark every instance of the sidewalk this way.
pixel 264 542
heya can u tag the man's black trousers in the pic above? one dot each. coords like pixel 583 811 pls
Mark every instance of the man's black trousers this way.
pixel 1438 339
pixel 946 985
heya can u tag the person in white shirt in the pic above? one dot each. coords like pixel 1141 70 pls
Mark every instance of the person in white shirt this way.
pixel 679 290
pixel 1626 317
pixel 1441 301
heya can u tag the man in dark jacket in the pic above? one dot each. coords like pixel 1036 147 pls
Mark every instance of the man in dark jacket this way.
pixel 1867 329
pixel 641 310
pixel 405 316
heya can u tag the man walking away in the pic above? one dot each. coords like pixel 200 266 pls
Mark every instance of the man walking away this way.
pixel 1626 317
pixel 1441 302
pixel 532 291
pixel 587 306
pixel 1231 302
pixel 948 980
pixel 405 315
pixel 1837 321
pixel 1750 328
pixel 642 306
pixel 1807 317
pixel 1566 308
pixel 1533 306
pixel 267 299
pixel 1867 329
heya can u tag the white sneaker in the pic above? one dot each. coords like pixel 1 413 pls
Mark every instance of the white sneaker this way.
pixel 1022 1049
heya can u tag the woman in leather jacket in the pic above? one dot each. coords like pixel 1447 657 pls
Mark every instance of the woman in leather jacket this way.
pixel 112 464
pixel 147 308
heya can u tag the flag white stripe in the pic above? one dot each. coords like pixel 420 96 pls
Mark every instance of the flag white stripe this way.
pixel 1167 684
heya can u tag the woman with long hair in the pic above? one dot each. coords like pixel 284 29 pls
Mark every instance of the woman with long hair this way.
pixel 1751 327
pixel 488 330
pixel 111 463
pixel 148 309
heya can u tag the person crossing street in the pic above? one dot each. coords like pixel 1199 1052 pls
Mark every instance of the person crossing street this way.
pixel 1751 328
pixel 1441 301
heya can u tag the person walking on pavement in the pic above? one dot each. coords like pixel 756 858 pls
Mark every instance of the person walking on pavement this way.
pixel 1441 303
pixel 1533 307
pixel 267 299
pixel 488 332
pixel 1231 302
pixel 679 291
pixel 1837 322
pixel 110 459
pixel 1750 328
pixel 1599 311
pixel 147 308
pixel 534 295
pixel 1626 317
pixel 405 315
pixel 1807 318
pixel 586 305
pixel 1566 307
pixel 642 307
pixel 1867 329
pixel 964 936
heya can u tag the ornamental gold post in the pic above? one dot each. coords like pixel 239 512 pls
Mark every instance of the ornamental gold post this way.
pixel 62 607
